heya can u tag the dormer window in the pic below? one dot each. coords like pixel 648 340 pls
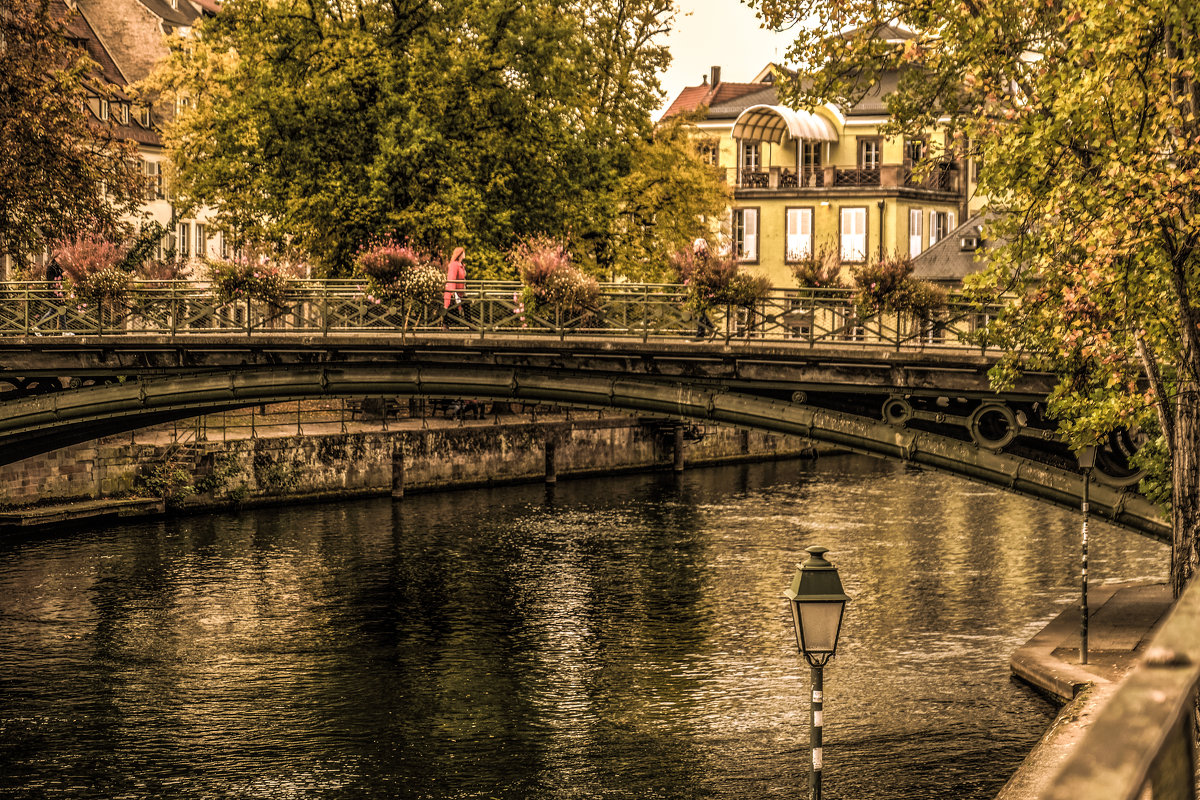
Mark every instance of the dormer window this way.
pixel 124 113
pixel 144 116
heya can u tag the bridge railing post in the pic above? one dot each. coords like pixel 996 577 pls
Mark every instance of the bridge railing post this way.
pixel 26 297
pixel 325 309
pixel 645 313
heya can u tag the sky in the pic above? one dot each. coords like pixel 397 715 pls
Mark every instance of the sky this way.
pixel 722 33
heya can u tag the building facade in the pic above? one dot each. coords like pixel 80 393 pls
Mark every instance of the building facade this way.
pixel 134 34
pixel 826 180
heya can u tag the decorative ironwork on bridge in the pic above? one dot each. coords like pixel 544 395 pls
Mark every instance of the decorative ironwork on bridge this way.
pixel 906 387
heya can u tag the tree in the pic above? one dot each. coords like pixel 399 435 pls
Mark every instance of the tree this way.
pixel 664 202
pixel 1085 116
pixel 62 172
pixel 467 122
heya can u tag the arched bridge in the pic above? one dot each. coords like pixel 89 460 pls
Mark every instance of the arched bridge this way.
pixel 919 403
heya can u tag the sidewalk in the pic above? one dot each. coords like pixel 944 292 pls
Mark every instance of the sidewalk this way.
pixel 1120 624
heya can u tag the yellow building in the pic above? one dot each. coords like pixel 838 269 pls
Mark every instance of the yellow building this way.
pixel 827 179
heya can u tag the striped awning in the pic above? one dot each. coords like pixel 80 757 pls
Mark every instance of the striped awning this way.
pixel 774 123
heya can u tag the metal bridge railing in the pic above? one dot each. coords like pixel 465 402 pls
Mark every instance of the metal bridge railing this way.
pixel 641 311
pixel 1143 743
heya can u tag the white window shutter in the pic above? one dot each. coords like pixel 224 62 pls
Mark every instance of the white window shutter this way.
pixel 751 219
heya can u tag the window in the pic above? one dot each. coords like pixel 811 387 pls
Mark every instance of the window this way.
pixel 939 222
pixel 750 156
pixel 201 240
pixel 185 239
pixel 810 155
pixel 224 245
pixel 124 113
pixel 710 152
pixel 152 170
pixel 144 116
pixel 869 153
pixel 854 234
pixel 799 234
pixel 103 109
pixel 914 151
pixel 745 234
pixel 916 224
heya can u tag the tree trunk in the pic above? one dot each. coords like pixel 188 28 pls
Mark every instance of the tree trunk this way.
pixel 1185 484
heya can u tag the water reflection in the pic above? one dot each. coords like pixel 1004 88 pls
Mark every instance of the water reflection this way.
pixel 612 638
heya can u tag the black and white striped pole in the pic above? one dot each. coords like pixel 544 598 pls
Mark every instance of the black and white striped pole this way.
pixel 817 602
pixel 1087 460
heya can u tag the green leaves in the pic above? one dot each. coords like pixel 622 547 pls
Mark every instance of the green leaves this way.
pixel 1084 115
pixel 62 172
pixel 460 123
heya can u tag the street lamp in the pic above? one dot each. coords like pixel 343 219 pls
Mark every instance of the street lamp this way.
pixel 1087 461
pixel 817 601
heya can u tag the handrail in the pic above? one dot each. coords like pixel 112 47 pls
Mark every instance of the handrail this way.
pixel 1143 744
pixel 335 306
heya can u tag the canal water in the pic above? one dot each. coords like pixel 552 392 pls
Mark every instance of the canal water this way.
pixel 613 638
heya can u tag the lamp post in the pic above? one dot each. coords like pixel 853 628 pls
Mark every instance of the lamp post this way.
pixel 817 601
pixel 1087 460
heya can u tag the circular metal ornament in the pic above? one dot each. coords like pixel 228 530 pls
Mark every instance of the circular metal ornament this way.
pixel 993 425
pixel 897 411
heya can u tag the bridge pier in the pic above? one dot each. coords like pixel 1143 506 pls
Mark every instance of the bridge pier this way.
pixel 678 448
pixel 398 469
pixel 551 461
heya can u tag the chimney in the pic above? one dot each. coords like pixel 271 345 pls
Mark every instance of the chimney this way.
pixel 716 76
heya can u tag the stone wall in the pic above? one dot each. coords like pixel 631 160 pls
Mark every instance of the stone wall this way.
pixel 350 464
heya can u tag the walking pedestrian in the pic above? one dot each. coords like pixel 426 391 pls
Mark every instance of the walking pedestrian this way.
pixel 456 276
pixel 704 326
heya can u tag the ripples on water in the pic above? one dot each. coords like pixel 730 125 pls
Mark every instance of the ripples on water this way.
pixel 614 638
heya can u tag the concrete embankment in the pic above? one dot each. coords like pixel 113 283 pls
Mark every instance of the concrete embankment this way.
pixel 325 462
pixel 1121 622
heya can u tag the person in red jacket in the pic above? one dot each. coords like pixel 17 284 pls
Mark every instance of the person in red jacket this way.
pixel 456 275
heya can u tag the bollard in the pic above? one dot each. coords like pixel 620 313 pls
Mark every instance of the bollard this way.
pixel 397 470
pixel 551 465
pixel 679 448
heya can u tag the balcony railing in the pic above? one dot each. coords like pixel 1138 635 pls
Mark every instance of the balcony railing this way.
pixel 857 177
pixel 937 178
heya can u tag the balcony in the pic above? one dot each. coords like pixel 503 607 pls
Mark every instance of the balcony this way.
pixel 938 178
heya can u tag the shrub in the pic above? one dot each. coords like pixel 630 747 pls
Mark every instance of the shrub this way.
pixel 715 280
pixel 87 255
pixel 243 280
pixel 744 290
pixel 550 278
pixel 400 273
pixel 887 285
pixel 108 286
pixel 819 270
pixel 91 269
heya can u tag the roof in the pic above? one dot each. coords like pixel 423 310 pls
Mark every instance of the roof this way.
pixel 723 93
pixel 886 31
pixel 211 6
pixel 945 260
pixel 764 95
pixel 80 31
pixel 184 16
